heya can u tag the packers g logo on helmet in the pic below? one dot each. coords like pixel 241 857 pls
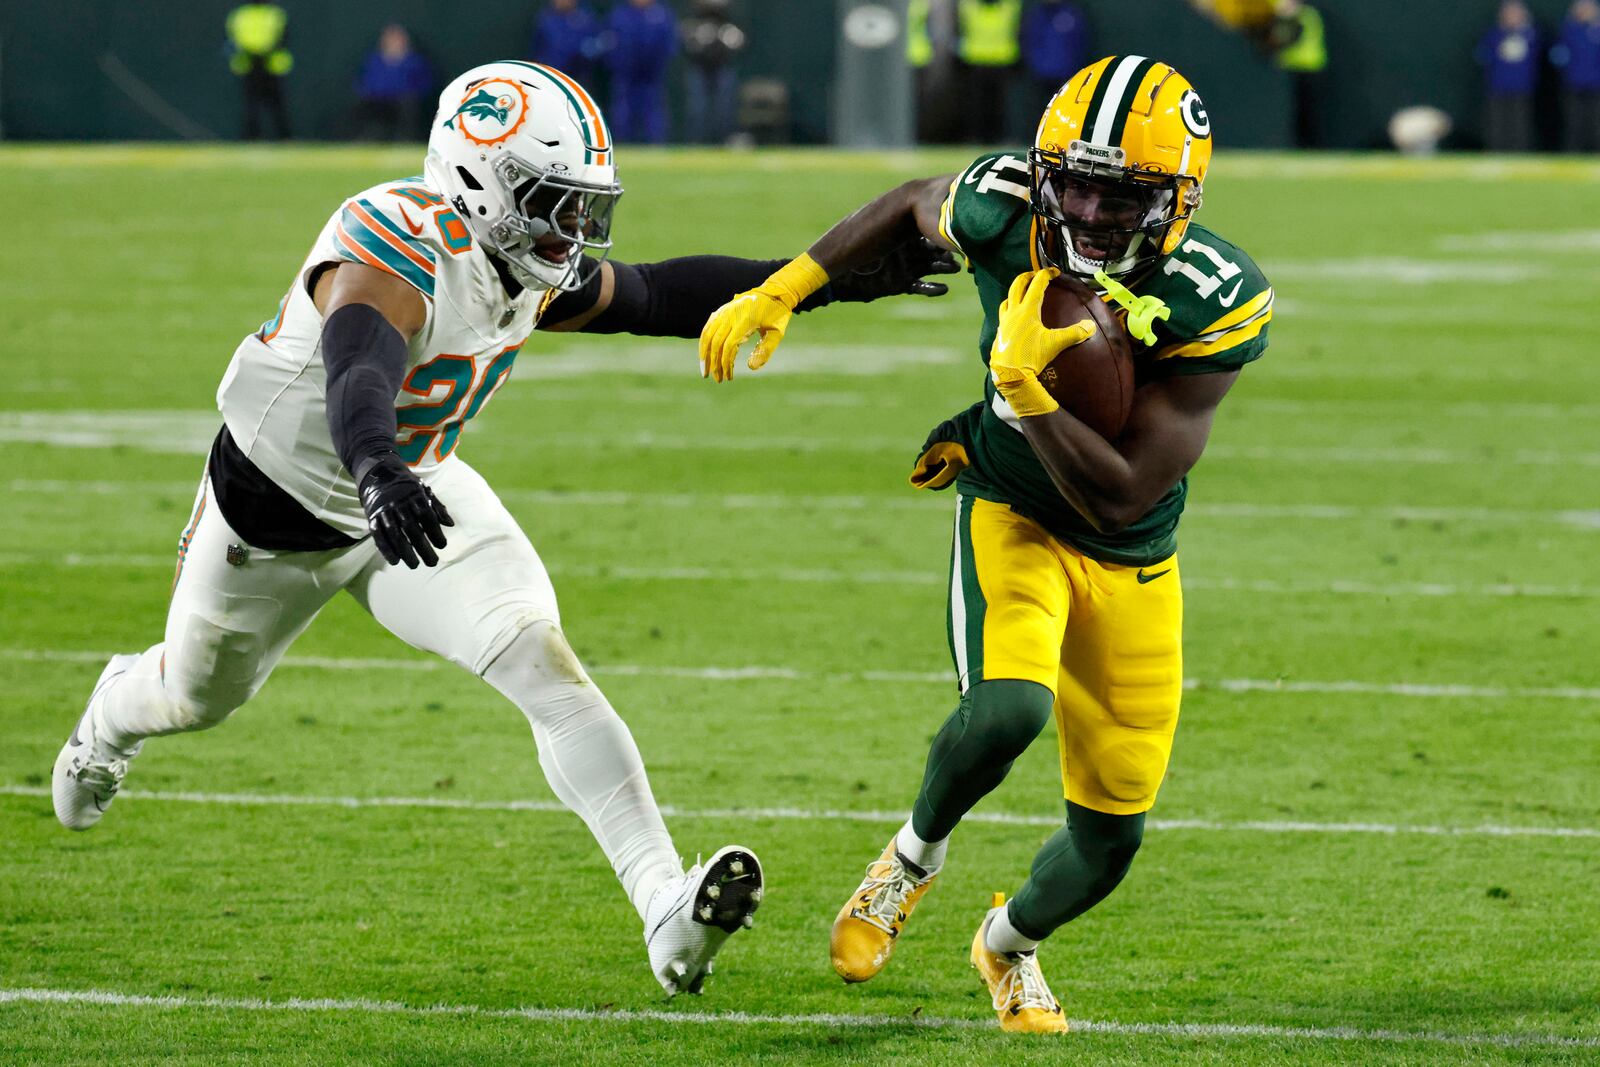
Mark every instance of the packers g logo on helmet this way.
pixel 1117 167
pixel 1194 114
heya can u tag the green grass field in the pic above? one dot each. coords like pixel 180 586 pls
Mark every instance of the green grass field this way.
pixel 1380 837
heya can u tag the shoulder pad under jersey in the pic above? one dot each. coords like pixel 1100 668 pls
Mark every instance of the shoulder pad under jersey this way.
pixel 404 228
pixel 985 200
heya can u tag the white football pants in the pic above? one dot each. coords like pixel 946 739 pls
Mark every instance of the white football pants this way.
pixel 488 607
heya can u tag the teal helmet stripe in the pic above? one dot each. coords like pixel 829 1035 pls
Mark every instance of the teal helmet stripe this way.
pixel 589 135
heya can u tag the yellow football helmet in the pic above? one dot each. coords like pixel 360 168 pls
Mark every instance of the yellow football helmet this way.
pixel 1117 167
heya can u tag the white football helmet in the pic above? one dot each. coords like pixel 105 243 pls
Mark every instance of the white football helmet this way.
pixel 523 154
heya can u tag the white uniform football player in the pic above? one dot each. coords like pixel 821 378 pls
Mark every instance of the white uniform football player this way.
pixel 337 461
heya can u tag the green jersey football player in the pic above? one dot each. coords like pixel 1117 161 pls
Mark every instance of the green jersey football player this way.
pixel 1064 583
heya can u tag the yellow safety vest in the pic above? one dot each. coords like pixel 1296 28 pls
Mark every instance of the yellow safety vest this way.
pixel 919 44
pixel 256 30
pixel 1309 52
pixel 989 32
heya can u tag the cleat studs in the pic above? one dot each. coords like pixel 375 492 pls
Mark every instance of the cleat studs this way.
pixel 755 896
pixel 736 867
pixel 706 913
pixel 748 921
pixel 713 891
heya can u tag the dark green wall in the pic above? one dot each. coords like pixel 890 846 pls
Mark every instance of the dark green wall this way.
pixel 1386 54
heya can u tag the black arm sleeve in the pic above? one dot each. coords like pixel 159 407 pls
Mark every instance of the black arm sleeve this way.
pixel 366 362
pixel 672 298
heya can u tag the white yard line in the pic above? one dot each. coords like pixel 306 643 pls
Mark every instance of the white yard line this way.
pixel 925 503
pixel 929 577
pixel 746 673
pixel 886 818
pixel 830 1020
pixel 192 431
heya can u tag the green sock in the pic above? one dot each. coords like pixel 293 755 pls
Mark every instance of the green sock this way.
pixel 1075 870
pixel 974 749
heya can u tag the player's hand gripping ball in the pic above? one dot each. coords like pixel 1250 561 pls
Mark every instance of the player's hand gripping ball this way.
pixel 1024 345
pixel 1094 379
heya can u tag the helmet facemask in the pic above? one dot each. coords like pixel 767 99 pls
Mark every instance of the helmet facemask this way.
pixel 1095 213
pixel 558 229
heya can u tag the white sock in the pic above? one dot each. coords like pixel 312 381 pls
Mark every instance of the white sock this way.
pixel 929 855
pixel 1002 937
pixel 589 758
pixel 136 705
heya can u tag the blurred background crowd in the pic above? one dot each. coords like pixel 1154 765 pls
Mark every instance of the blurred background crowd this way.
pixel 1505 75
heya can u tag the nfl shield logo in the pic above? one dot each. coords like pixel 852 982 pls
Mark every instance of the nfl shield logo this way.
pixel 238 555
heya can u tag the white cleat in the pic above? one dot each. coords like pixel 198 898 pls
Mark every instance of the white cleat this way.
pixel 88 772
pixel 691 916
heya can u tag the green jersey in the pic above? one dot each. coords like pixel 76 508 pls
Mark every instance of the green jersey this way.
pixel 1220 302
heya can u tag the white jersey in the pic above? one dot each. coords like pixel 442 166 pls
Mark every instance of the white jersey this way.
pixel 273 397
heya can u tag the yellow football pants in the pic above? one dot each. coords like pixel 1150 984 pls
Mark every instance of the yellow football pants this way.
pixel 1106 639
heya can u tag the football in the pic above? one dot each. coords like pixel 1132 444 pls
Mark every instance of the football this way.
pixel 1093 381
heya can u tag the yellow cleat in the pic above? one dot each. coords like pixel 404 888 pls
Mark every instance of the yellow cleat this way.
pixel 1021 997
pixel 865 931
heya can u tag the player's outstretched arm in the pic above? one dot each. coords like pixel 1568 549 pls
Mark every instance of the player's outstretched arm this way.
pixel 904 216
pixel 368 316
pixel 674 297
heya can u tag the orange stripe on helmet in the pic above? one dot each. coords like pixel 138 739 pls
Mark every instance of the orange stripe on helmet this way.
pixel 588 102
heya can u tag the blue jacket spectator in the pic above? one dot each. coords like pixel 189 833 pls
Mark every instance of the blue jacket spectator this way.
pixel 1510 55
pixel 1055 41
pixel 394 86
pixel 1509 52
pixel 567 36
pixel 1577 51
pixel 643 40
pixel 1577 55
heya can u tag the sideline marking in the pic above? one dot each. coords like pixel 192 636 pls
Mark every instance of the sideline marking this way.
pixel 827 1019
pixel 792 674
pixel 894 818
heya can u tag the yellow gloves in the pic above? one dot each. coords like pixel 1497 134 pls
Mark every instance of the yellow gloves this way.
pixel 765 309
pixel 1142 311
pixel 1024 346
pixel 939 465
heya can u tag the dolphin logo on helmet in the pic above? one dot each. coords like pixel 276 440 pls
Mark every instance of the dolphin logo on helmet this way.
pixel 481 105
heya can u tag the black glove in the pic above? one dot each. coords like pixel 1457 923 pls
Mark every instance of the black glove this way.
pixel 404 514
pixel 900 273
